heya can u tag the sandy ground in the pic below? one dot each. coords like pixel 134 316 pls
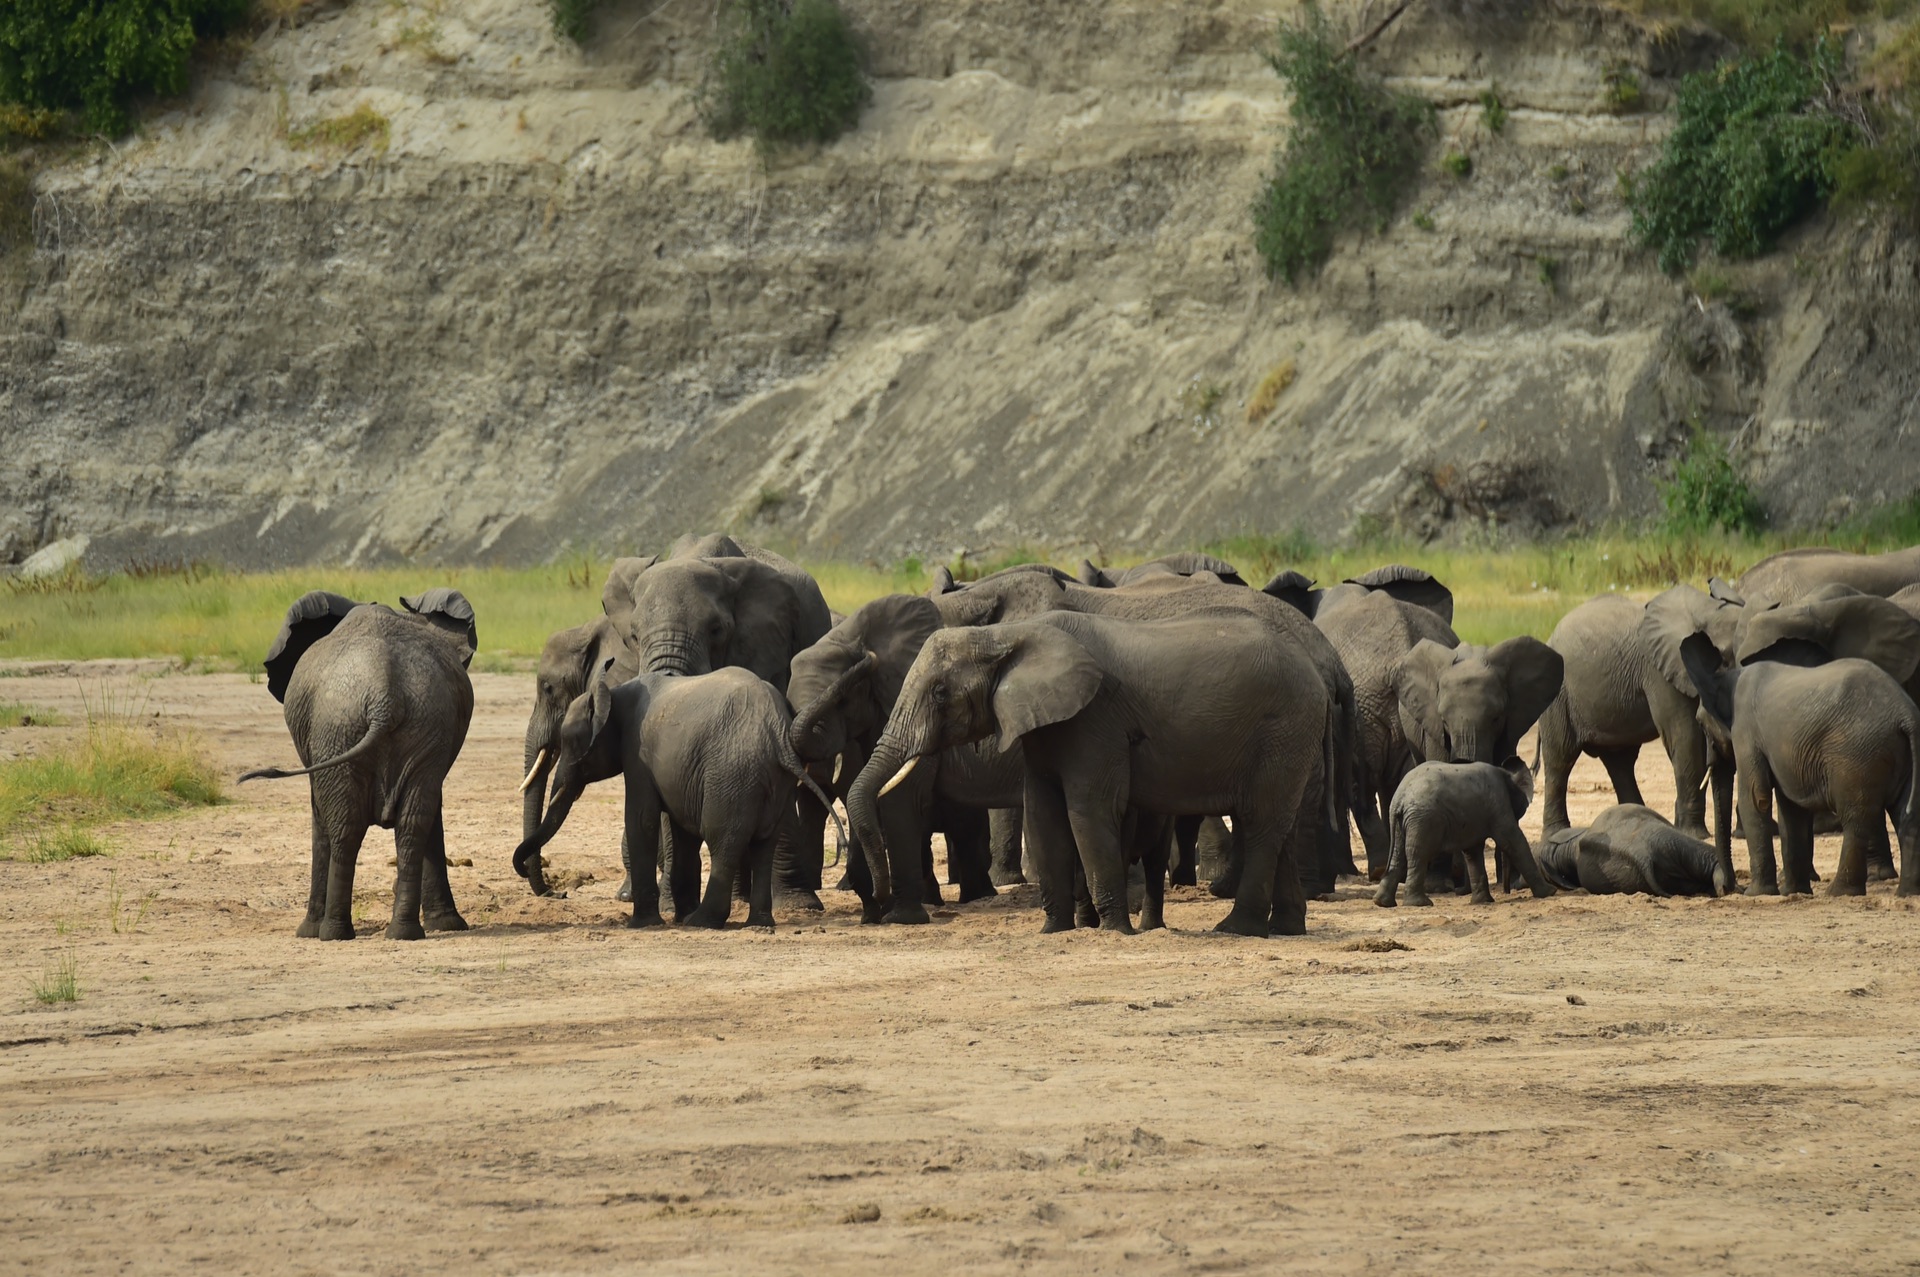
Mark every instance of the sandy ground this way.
pixel 1574 1085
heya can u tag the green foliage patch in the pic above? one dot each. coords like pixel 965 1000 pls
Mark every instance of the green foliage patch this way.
pixel 572 18
pixel 1752 152
pixel 1706 494
pixel 1353 152
pixel 95 55
pixel 786 72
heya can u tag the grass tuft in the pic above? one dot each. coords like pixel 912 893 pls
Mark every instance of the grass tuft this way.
pixel 362 126
pixel 65 843
pixel 15 714
pixel 60 982
pixel 1266 396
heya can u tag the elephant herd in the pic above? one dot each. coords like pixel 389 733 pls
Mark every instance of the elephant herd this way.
pixel 1095 730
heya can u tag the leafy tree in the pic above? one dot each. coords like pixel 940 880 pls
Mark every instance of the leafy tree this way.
pixel 785 71
pixel 95 54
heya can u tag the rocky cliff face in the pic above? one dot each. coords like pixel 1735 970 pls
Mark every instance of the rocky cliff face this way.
pixel 1019 305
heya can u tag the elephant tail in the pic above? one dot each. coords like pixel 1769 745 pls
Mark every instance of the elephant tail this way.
pixel 791 761
pixel 375 730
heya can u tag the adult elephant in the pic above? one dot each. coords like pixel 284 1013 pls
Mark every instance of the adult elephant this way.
pixel 1183 563
pixel 1836 623
pixel 1626 685
pixel 1791 575
pixel 1021 596
pixel 1372 632
pixel 1410 585
pixel 1107 714
pixel 378 704
pixel 755 610
pixel 845 687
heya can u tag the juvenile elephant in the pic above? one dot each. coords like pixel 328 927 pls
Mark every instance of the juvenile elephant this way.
pixel 1625 685
pixel 1472 704
pixel 1630 849
pixel 708 750
pixel 1373 632
pixel 1218 712
pixel 567 663
pixel 845 687
pixel 1841 738
pixel 378 704
pixel 1789 576
pixel 1444 810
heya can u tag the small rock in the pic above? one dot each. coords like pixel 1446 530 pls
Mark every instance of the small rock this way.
pixel 864 1213
pixel 1575 1000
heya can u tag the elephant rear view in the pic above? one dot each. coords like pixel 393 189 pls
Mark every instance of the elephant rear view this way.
pixel 378 703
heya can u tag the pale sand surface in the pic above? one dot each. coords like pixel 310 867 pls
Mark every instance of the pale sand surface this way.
pixel 1576 1085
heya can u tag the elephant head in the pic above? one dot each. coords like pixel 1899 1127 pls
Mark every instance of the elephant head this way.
pixel 567 665
pixel 844 687
pixel 312 617
pixel 581 730
pixel 693 616
pixel 616 593
pixel 1472 704
pixel 1676 614
pixel 966 685
pixel 1833 625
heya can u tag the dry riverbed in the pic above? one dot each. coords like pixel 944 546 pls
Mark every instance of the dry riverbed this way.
pixel 1577 1085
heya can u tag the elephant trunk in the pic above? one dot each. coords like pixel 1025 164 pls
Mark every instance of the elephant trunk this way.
pixel 526 857
pixel 805 720
pixel 541 748
pixel 890 754
pixel 1466 747
pixel 672 654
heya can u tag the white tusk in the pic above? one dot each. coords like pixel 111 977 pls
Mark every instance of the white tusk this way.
pixel 838 759
pixel 539 759
pixel 900 775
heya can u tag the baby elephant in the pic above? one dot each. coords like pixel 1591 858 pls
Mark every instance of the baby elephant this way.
pixel 1447 809
pixel 1629 849
pixel 710 750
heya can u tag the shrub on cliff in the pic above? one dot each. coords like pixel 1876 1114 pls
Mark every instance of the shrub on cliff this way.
pixel 785 71
pixel 94 55
pixel 1754 149
pixel 1354 149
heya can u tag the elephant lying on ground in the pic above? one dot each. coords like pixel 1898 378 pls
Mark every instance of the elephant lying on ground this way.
pixel 1625 685
pixel 708 750
pixel 1444 810
pixel 378 704
pixel 1840 737
pixel 1106 713
pixel 1631 849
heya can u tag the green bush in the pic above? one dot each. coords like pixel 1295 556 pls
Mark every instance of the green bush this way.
pixel 572 18
pixel 785 71
pixel 1751 154
pixel 96 54
pixel 1354 149
pixel 1706 494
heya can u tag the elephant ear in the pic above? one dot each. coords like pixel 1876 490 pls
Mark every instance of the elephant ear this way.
pixel 600 693
pixel 616 594
pixel 1532 672
pixel 1295 590
pixel 1416 686
pixel 1673 616
pixel 1093 576
pixel 894 628
pixel 447 610
pixel 1721 591
pixel 943 582
pixel 1908 601
pixel 1409 585
pixel 311 618
pixel 1853 625
pixel 1046 676
pixel 1521 778
pixel 1193 563
pixel 1713 684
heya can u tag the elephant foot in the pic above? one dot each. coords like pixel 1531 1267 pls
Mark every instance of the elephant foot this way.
pixel 405 929
pixel 1763 889
pixel 1905 890
pixel 641 920
pixel 908 915
pixel 763 920
pixel 872 913
pixel 1120 924
pixel 1847 887
pixel 309 929
pixel 1480 898
pixel 930 894
pixel 1386 897
pixel 967 896
pixel 1881 871
pixel 625 894
pixel 1541 892
pixel 1151 921
pixel 713 921
pixel 1008 878
pixel 800 898
pixel 1225 888
pixel 446 922
pixel 1243 923
pixel 1054 924
pixel 1419 899
pixel 1288 924
pixel 331 930
pixel 1183 878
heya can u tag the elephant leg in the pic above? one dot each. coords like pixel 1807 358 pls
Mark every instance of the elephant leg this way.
pixel 1879 851
pixel 906 817
pixel 1908 827
pixel 1096 820
pixel 1857 839
pixel 1796 847
pixel 728 852
pixel 1558 752
pixel 343 842
pixel 640 840
pixel 1153 861
pixel 929 876
pixel 412 832
pixel 1476 858
pixel 1720 774
pixel 1085 916
pixel 1417 862
pixel 625 891
pixel 683 877
pixel 800 855
pixel 1184 868
pixel 438 912
pixel 1619 764
pixel 1049 840
pixel 1003 834
pixel 1288 915
pixel 1262 846
pixel 1368 804
pixel 1687 748
pixel 1227 885
pixel 309 927
pixel 759 869
pixel 1756 789
pixel 970 853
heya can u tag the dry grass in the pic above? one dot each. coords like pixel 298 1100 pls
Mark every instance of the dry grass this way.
pixel 1266 396
pixel 362 126
pixel 60 982
pixel 15 714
